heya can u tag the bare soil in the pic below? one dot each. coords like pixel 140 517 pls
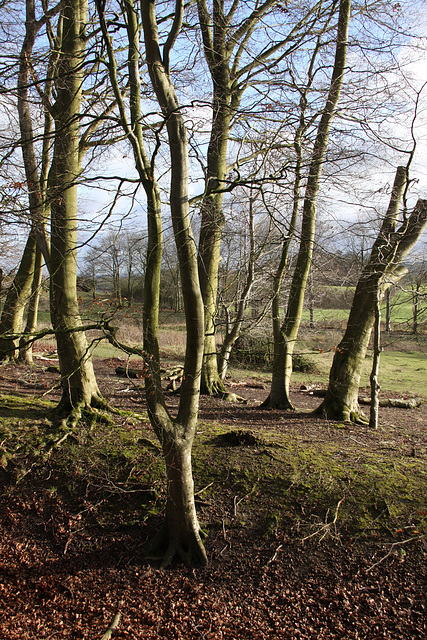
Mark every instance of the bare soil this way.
pixel 61 578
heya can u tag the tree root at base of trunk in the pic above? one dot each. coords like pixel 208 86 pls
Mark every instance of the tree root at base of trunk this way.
pixel 70 415
pixel 284 405
pixel 167 546
pixel 344 415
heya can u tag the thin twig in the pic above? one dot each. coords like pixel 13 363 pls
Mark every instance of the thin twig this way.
pixel 204 489
pixel 393 545
pixel 274 556
pixel 113 626
pixel 327 525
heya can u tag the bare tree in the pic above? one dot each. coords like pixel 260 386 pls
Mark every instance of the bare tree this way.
pixel 382 269
pixel 180 534
pixel 285 335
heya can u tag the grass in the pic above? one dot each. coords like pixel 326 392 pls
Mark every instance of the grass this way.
pixel 404 373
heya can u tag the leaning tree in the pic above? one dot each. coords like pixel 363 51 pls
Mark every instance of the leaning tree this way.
pixel 399 232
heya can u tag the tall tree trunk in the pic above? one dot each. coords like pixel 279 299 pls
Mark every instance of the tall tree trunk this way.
pixel 285 337
pixel 180 535
pixel 381 271
pixel 212 222
pixel 79 387
pixel 35 173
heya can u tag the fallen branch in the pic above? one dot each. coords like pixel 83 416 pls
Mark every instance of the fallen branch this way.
pixel 400 403
pixel 113 626
pixel 393 545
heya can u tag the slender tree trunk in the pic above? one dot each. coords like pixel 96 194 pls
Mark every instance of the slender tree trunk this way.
pixel 375 386
pixel 180 535
pixel 388 312
pixel 79 387
pixel 234 327
pixel 26 341
pixel 415 307
pixel 285 337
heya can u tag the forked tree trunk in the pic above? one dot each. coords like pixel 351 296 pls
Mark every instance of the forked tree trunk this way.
pixel 285 336
pixel 79 387
pixel 180 535
pixel 383 269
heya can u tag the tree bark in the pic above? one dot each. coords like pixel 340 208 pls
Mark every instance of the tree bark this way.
pixel 375 385
pixel 17 298
pixel 381 271
pixel 285 336
pixel 180 535
pixel 79 387
pixel 35 173
pixel 26 341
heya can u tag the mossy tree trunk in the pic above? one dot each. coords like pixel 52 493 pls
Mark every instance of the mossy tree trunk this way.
pixel 17 298
pixel 79 387
pixel 381 271
pixel 180 535
pixel 285 336
pixel 23 289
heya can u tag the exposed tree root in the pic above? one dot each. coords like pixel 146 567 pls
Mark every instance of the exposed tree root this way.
pixel 168 546
pixel 284 404
pixel 215 388
pixel 342 414
pixel 71 414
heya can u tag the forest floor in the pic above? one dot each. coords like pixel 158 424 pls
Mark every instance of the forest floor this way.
pixel 316 530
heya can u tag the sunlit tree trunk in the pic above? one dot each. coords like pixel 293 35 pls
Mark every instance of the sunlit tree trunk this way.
pixel 374 377
pixel 35 173
pixel 79 387
pixel 180 535
pixel 285 337
pixel 26 341
pixel 381 271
